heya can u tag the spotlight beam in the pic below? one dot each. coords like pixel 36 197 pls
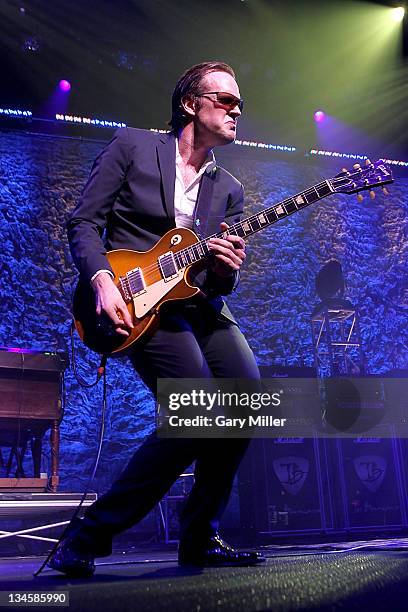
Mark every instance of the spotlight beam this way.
pixel 398 13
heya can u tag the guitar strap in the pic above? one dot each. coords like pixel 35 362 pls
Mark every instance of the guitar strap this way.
pixel 204 207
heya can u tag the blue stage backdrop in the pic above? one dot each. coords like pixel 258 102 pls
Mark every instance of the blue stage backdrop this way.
pixel 40 180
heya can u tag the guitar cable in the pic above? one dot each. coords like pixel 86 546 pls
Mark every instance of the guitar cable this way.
pixel 101 373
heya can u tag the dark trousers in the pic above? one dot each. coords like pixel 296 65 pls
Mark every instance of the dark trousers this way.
pixel 191 342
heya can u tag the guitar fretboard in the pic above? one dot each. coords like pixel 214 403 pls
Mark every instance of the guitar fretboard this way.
pixel 256 222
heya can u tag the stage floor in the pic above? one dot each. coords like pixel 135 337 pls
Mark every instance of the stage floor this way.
pixel 360 576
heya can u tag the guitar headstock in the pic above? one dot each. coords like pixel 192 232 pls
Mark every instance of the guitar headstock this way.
pixel 374 174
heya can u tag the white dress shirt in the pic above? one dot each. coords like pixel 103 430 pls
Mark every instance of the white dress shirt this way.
pixel 185 198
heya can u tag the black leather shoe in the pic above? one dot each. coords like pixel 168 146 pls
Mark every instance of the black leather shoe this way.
pixel 71 562
pixel 217 553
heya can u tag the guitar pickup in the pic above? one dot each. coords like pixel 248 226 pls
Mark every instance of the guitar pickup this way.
pixel 168 266
pixel 132 284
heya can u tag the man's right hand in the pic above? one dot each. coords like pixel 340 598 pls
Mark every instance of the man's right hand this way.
pixel 110 301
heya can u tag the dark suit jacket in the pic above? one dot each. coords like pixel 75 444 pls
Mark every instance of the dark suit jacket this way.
pixel 128 202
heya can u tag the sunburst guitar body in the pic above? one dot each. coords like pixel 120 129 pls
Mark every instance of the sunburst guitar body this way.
pixel 146 281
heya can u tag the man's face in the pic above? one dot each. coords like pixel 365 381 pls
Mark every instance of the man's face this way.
pixel 215 122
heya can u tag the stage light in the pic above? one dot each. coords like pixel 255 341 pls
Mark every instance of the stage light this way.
pixel 125 60
pixel 31 45
pixel 356 156
pixel 130 61
pixel 250 143
pixel 15 112
pixel 64 85
pixel 89 121
pixel 397 14
pixel 319 116
pixel 264 145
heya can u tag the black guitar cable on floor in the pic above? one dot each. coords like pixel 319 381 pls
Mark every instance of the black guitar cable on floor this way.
pixel 101 373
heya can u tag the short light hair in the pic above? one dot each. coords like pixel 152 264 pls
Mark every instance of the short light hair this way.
pixel 189 85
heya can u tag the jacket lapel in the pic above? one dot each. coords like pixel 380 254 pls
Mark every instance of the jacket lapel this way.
pixel 210 208
pixel 166 156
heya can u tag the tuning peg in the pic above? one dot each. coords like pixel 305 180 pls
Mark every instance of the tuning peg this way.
pixel 360 197
pixel 344 170
pixel 357 167
pixel 385 191
pixel 372 194
pixel 368 162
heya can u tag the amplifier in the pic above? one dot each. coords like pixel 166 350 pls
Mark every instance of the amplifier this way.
pixel 31 360
pixel 30 384
pixel 278 371
pixel 281 485
pixel 371 483
pixel 292 486
pixel 282 480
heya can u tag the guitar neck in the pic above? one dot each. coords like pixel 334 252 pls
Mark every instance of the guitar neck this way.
pixel 256 222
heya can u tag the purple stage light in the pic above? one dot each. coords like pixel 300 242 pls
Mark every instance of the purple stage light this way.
pixel 319 116
pixel 64 85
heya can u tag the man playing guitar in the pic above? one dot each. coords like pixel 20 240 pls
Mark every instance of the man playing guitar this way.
pixel 142 185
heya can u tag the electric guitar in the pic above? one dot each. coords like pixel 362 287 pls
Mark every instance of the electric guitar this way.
pixel 148 280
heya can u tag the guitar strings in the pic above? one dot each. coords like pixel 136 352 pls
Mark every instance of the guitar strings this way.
pixel 154 268
pixel 188 252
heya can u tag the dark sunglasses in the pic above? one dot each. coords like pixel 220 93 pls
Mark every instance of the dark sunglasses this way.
pixel 224 99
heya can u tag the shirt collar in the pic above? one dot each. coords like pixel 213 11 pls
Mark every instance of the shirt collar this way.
pixel 207 162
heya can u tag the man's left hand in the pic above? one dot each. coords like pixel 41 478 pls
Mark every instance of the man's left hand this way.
pixel 229 253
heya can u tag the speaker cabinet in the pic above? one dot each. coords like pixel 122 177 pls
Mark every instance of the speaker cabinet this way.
pixel 370 480
pixel 282 487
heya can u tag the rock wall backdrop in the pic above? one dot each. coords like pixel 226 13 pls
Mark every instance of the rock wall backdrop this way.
pixel 40 180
